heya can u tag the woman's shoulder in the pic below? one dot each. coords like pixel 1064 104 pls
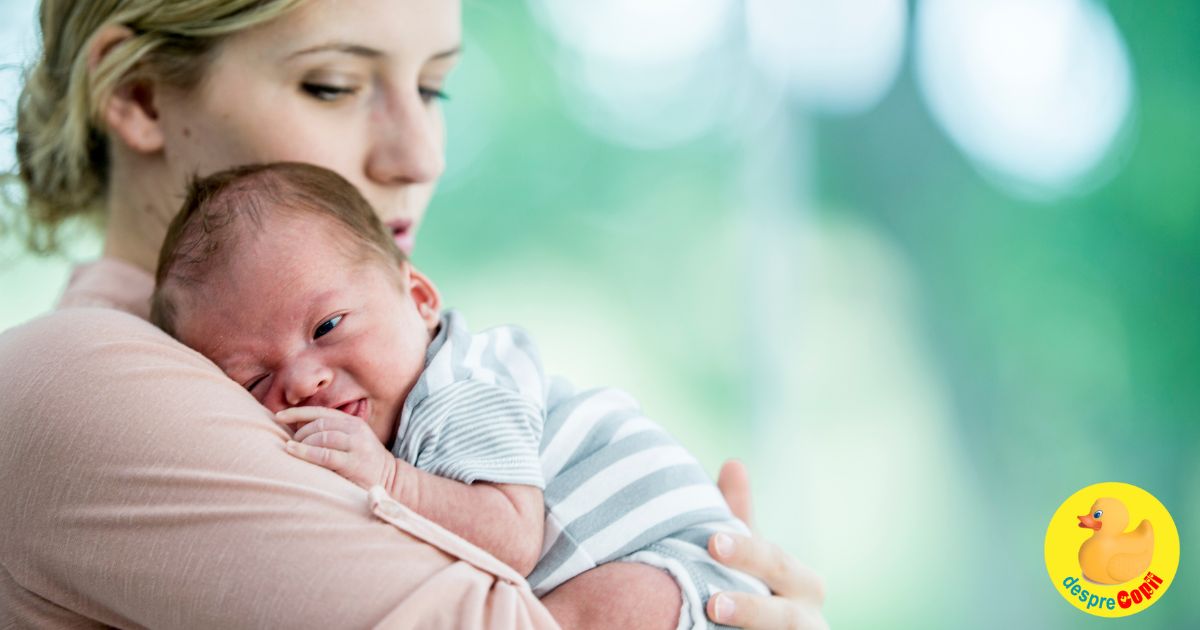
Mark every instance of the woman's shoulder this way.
pixel 110 283
pixel 46 361
pixel 76 332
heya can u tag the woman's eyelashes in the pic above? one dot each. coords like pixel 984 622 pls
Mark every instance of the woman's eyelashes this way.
pixel 327 326
pixel 326 92
pixel 330 93
pixel 429 94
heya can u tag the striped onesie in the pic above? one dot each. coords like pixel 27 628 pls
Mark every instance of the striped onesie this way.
pixel 616 485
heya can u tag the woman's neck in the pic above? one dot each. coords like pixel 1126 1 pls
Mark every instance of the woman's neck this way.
pixel 141 202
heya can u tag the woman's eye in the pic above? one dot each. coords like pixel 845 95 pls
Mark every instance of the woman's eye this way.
pixel 432 94
pixel 328 93
pixel 327 326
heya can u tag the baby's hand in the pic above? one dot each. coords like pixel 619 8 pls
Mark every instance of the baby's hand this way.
pixel 340 442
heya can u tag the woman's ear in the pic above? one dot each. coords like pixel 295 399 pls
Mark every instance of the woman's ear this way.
pixel 425 296
pixel 130 112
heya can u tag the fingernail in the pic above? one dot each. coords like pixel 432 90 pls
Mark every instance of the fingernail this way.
pixel 724 545
pixel 293 446
pixel 725 608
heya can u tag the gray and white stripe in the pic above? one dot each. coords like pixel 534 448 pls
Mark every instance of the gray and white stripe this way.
pixel 617 487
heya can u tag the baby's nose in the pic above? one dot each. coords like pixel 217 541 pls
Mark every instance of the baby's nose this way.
pixel 305 381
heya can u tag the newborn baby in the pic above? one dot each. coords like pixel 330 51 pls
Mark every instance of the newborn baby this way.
pixel 282 275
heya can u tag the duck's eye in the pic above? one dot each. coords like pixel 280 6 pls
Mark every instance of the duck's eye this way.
pixel 327 326
pixel 1098 514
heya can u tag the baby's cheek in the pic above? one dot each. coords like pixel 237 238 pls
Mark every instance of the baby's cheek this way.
pixel 270 395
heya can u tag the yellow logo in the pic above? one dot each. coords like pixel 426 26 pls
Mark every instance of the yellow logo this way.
pixel 1102 566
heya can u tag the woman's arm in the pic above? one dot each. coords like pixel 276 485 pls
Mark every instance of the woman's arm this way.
pixel 140 487
pixel 798 591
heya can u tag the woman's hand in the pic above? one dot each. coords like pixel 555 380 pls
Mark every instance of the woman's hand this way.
pixel 798 592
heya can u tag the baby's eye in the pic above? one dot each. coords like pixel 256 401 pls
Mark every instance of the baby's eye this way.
pixel 327 326
pixel 1098 514
pixel 254 382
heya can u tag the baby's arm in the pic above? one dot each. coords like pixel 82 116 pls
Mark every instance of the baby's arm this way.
pixel 617 595
pixel 505 520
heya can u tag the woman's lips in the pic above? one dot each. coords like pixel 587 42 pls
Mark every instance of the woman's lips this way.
pixel 402 234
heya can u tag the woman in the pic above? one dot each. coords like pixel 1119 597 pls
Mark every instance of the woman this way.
pixel 138 486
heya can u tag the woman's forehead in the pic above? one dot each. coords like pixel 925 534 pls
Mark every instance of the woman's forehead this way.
pixel 413 31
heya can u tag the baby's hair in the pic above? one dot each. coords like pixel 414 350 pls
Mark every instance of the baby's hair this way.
pixel 221 209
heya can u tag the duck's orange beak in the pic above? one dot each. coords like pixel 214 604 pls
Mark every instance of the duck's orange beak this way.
pixel 1087 521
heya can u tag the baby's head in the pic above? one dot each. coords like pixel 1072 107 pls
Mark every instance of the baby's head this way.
pixel 283 276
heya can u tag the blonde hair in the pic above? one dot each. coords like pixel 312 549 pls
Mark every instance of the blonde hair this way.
pixel 62 150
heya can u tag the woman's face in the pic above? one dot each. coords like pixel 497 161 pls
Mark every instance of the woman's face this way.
pixel 351 85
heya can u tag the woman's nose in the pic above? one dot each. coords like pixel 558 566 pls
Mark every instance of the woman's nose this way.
pixel 407 145
pixel 303 380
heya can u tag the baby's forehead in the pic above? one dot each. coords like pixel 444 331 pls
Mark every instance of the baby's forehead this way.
pixel 286 246
pixel 286 226
pixel 270 283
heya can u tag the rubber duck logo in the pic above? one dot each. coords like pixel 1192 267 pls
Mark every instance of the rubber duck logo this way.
pixel 1112 555
pixel 1100 567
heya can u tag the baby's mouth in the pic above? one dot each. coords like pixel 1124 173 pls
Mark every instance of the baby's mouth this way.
pixel 357 408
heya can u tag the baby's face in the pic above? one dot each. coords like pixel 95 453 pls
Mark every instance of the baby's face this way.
pixel 298 323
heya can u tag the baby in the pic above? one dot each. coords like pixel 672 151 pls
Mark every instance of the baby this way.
pixel 283 276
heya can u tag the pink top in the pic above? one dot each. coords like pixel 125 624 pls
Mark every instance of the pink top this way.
pixel 139 487
pixel 110 283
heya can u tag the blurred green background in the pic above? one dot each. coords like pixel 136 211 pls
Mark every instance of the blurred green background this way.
pixel 928 268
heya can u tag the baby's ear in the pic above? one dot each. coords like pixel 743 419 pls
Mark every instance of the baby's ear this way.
pixel 425 296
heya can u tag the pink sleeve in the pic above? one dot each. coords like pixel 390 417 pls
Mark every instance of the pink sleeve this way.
pixel 141 488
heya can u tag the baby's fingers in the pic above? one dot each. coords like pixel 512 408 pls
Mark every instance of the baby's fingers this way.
pixel 308 414
pixel 335 440
pixel 326 423
pixel 332 459
pixel 293 419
